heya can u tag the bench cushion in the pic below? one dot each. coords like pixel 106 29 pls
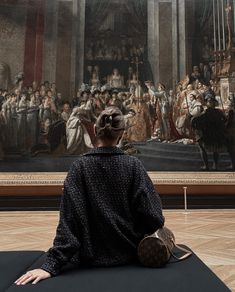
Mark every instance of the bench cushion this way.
pixel 188 275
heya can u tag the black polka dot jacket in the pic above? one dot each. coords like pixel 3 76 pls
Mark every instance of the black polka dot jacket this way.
pixel 109 203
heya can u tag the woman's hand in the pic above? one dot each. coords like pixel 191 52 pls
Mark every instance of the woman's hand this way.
pixel 34 275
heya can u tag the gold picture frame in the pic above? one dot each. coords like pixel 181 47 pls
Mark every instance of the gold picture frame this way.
pixel 158 178
pixel 167 183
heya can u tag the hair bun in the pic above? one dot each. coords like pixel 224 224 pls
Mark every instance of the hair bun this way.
pixel 110 123
pixel 108 119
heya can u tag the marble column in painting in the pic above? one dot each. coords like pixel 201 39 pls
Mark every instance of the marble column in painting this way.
pixel 75 23
pixel 181 39
pixel 168 40
pixel 162 45
pixel 64 48
pixel 153 39
pixel 33 55
pixel 64 45
pixel 165 46
pixel 186 18
pixel 77 45
pixel 50 40
pixel 80 37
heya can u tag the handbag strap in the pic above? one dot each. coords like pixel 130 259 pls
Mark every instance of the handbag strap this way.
pixel 187 254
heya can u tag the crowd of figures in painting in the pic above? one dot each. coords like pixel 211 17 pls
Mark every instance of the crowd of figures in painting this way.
pixel 37 118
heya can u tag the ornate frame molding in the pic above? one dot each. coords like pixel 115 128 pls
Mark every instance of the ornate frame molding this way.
pixel 193 178
pixel 158 178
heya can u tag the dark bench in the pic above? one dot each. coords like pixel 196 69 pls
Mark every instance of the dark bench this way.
pixel 186 276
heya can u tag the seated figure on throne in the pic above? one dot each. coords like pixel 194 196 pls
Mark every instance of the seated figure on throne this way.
pixel 95 81
pixel 116 80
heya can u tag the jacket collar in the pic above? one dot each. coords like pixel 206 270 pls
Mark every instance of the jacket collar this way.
pixel 112 150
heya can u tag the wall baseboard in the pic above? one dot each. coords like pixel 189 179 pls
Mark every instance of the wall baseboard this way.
pixel 51 203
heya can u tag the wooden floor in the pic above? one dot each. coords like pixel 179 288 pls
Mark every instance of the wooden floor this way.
pixel 210 233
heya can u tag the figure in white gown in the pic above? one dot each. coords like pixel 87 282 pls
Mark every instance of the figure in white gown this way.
pixel 116 80
pixel 78 139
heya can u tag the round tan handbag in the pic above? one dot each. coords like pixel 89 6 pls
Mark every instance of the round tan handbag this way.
pixel 156 249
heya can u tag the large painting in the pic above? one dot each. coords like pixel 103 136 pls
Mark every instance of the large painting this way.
pixel 168 65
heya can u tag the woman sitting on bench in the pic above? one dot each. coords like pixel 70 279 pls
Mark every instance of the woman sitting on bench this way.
pixel 108 204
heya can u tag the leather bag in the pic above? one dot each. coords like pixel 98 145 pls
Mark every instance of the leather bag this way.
pixel 155 250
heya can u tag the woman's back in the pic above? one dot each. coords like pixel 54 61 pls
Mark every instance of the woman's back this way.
pixel 109 213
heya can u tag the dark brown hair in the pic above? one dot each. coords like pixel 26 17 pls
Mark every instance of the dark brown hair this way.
pixel 110 123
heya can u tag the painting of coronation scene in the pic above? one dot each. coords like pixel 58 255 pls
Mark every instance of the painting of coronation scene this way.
pixel 169 66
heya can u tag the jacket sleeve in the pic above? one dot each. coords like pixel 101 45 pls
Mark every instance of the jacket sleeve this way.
pixel 66 242
pixel 146 203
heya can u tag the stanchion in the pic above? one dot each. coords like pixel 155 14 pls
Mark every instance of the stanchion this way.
pixel 185 200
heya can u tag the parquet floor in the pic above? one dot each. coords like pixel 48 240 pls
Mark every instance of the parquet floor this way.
pixel 210 234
